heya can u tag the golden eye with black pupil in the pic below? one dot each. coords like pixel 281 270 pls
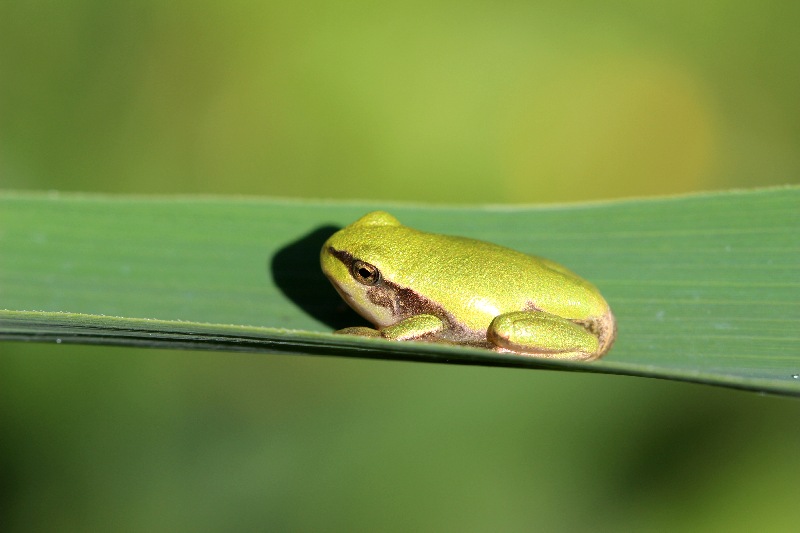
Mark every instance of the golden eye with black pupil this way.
pixel 365 273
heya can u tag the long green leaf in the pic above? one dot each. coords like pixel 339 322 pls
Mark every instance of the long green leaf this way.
pixel 705 288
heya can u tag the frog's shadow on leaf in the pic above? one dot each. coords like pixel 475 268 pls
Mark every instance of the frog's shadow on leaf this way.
pixel 296 272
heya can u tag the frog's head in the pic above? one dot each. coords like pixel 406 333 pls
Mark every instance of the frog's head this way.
pixel 354 258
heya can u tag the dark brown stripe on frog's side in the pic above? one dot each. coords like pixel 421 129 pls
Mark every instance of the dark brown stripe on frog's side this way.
pixel 383 295
pixel 408 302
pixel 403 302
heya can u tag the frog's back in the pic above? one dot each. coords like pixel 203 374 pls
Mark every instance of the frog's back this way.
pixel 484 280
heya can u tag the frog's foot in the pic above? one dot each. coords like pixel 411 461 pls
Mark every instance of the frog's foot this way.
pixel 360 331
pixel 541 334
pixel 417 327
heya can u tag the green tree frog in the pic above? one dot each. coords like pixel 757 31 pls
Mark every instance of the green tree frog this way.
pixel 414 285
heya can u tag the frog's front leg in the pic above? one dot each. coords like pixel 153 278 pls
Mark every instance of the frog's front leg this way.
pixel 543 335
pixel 411 328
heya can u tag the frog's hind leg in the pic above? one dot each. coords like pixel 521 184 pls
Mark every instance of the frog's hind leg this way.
pixel 541 334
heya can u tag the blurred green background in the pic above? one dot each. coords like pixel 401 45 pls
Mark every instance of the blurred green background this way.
pixel 430 101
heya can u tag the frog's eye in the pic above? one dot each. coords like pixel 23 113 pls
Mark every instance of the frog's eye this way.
pixel 365 273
